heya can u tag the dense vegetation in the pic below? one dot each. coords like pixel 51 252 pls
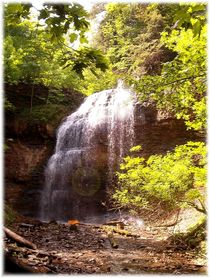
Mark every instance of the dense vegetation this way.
pixel 161 51
pixel 39 47
pixel 174 180
pixel 40 52
pixel 158 49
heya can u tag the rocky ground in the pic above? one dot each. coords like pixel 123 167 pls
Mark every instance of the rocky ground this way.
pixel 101 249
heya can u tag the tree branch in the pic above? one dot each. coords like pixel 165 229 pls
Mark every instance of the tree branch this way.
pixel 203 210
pixel 183 79
pixel 145 86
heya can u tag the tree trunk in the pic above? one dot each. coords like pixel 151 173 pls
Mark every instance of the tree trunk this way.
pixel 32 97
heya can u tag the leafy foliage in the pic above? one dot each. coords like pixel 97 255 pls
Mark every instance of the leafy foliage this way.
pixel 8 105
pixel 50 113
pixel 160 49
pixel 181 86
pixel 40 53
pixel 186 15
pixel 191 16
pixel 60 18
pixel 129 35
pixel 98 81
pixel 175 179
pixel 57 19
pixel 10 215
pixel 85 57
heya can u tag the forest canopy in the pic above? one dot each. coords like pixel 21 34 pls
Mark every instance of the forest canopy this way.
pixel 39 48
pixel 158 49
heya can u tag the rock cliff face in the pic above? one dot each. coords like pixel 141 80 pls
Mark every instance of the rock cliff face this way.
pixel 29 144
pixel 158 132
pixel 24 163
pixel 26 156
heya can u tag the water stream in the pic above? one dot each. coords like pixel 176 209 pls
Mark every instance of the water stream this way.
pixel 90 145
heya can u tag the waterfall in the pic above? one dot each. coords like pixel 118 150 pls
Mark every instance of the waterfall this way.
pixel 90 145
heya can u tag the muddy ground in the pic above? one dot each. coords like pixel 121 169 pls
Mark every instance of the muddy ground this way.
pixel 101 249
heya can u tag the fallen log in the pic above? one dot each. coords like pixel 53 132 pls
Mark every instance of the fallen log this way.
pixel 124 232
pixel 114 223
pixel 119 231
pixel 85 224
pixel 19 239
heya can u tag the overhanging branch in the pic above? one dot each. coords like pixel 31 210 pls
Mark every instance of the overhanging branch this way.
pixel 184 79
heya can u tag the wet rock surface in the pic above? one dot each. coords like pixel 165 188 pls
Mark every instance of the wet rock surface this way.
pixel 87 249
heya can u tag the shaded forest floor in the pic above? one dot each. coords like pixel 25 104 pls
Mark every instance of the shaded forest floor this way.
pixel 89 249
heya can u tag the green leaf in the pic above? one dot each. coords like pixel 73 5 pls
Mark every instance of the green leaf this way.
pixel 136 148
pixel 83 39
pixel 73 37
pixel 44 14
pixel 196 26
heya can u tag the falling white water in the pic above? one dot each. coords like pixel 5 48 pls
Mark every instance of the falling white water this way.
pixel 105 119
pixel 120 125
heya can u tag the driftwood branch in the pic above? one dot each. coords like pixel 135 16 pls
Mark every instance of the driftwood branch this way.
pixel 17 238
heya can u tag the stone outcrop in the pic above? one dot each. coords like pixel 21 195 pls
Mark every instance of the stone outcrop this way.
pixel 158 132
pixel 24 165
pixel 21 160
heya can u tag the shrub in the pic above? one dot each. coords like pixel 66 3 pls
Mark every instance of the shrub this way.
pixel 176 179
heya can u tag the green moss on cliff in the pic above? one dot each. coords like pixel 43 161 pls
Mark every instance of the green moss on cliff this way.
pixel 9 216
pixel 49 113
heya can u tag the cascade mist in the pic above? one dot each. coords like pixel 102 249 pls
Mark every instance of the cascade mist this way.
pixel 90 145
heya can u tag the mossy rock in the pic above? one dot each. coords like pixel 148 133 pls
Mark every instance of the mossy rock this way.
pixel 193 236
pixel 9 216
